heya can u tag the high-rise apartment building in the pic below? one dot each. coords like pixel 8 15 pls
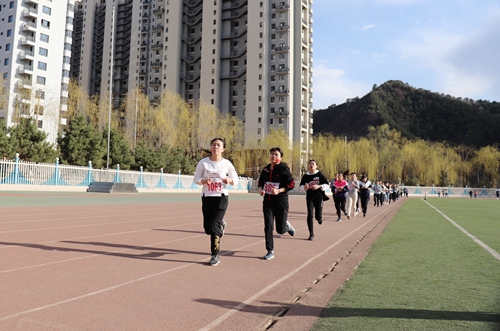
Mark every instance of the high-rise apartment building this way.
pixel 35 54
pixel 249 58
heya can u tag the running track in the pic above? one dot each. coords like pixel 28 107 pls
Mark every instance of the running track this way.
pixel 90 261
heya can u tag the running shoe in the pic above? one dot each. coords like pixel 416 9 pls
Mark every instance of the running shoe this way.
pixel 339 219
pixel 311 237
pixel 291 230
pixel 269 255
pixel 214 260
pixel 320 222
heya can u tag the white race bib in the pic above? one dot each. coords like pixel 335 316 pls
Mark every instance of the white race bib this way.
pixel 216 185
pixel 269 186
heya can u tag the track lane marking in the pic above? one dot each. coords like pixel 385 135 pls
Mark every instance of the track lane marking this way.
pixel 490 250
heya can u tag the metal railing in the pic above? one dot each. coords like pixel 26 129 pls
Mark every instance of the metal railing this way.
pixel 31 173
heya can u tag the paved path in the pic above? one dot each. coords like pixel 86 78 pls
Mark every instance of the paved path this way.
pixel 90 261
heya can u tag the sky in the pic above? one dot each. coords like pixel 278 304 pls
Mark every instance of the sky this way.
pixel 444 46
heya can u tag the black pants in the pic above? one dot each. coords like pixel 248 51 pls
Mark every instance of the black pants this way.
pixel 364 197
pixel 314 206
pixel 214 209
pixel 275 209
pixel 377 199
pixel 339 201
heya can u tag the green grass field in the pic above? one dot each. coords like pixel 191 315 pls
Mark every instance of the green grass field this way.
pixel 424 273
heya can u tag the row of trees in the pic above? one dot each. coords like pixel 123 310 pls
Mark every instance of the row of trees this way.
pixel 174 135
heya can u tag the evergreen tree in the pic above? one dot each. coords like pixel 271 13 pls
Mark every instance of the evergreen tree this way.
pixel 119 150
pixel 148 158
pixel 27 140
pixel 81 143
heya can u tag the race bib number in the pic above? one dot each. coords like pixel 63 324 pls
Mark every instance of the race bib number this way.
pixel 216 185
pixel 269 186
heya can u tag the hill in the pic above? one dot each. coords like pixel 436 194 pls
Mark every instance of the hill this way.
pixel 416 113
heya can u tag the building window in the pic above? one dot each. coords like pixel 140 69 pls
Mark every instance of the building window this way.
pixel 42 66
pixel 40 80
pixel 43 51
pixel 39 123
pixel 10 19
pixel 46 10
pixel 7 47
pixel 46 24
pixel 6 62
pixel 259 120
pixel 9 33
pixel 11 4
pixel 259 130
pixel 44 38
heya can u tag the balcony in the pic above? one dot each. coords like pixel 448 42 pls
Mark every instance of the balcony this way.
pixel 158 10
pixel 156 82
pixel 282 7
pixel 25 69
pixel 32 1
pixel 234 13
pixel 27 55
pixel 282 49
pixel 29 26
pixel 28 41
pixel 156 64
pixel 283 70
pixel 30 13
pixel 157 46
pixel 281 92
pixel 157 27
pixel 283 27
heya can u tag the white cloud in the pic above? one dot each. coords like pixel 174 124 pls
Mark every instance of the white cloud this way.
pixel 462 65
pixel 331 86
pixel 368 27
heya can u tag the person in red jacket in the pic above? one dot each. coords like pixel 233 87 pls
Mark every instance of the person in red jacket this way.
pixel 274 183
pixel 339 189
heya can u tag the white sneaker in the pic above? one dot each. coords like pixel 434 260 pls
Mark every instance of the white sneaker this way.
pixel 291 230
pixel 269 255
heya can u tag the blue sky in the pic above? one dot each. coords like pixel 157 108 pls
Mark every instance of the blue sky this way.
pixel 445 46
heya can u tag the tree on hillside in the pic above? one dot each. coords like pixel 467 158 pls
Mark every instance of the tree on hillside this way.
pixel 30 142
pixel 80 143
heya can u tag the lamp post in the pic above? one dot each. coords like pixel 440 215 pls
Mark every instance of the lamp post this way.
pixel 110 83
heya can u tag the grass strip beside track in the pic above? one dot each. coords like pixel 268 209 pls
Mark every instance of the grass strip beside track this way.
pixel 423 273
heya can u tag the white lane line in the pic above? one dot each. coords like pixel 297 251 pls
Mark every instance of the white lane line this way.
pixel 107 289
pixel 211 325
pixel 254 297
pixel 479 242
pixel 111 252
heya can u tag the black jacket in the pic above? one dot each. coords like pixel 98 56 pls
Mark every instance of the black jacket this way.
pixel 280 174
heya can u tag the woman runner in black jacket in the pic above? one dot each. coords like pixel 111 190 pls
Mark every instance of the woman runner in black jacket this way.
pixel 274 183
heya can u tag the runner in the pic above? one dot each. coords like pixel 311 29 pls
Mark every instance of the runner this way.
pixel 339 189
pixel 364 193
pixel 315 184
pixel 215 174
pixel 352 195
pixel 274 183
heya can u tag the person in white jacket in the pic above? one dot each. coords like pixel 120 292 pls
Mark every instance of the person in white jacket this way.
pixel 215 174
pixel 352 196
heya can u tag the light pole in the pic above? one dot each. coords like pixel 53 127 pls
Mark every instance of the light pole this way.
pixel 110 84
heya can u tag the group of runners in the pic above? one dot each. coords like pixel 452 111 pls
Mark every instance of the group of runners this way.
pixel 215 173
